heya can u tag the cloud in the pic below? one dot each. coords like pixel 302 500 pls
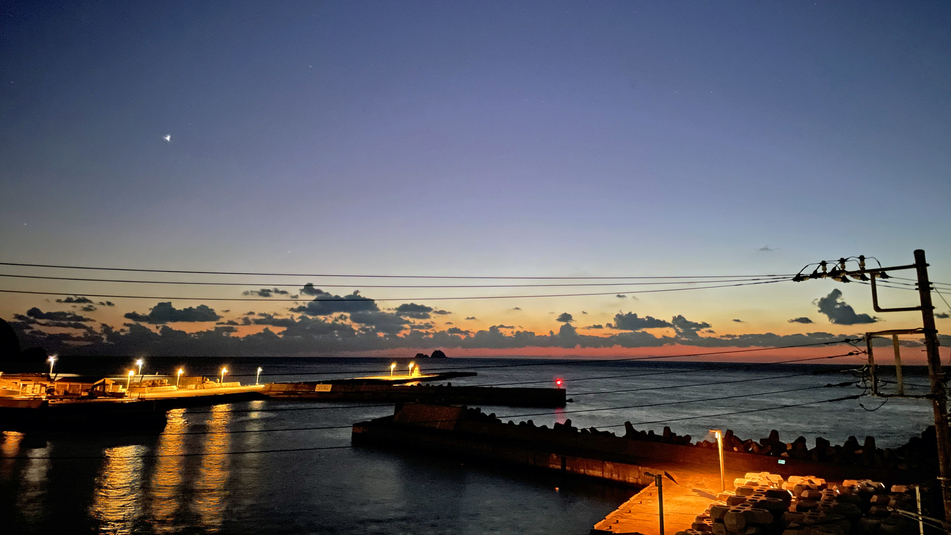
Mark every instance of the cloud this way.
pixel 942 315
pixel 309 289
pixel 565 318
pixel 621 296
pixel 457 330
pixel 595 327
pixel 380 322
pixel 517 308
pixel 765 249
pixel 36 313
pixel 106 304
pixel 686 328
pixel 840 313
pixel 89 308
pixel 229 322
pixel 471 318
pixel 264 318
pixel 76 299
pixel 165 313
pixel 326 304
pixel 502 327
pixel 801 319
pixel 412 310
pixel 267 292
pixel 737 320
pixel 630 322
pixel 584 313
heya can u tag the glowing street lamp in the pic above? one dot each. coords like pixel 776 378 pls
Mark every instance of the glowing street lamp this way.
pixel 178 376
pixel 52 359
pixel 139 363
pixel 392 367
pixel 128 381
pixel 719 434
pixel 258 376
pixel 411 366
pixel 223 372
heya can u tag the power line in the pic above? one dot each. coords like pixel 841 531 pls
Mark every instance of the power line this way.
pixel 191 454
pixel 668 372
pixel 324 448
pixel 367 299
pixel 594 361
pixel 574 380
pixel 706 280
pixel 681 402
pixel 776 407
pixel 355 275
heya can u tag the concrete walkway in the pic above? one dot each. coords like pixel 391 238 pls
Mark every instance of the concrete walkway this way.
pixel 694 491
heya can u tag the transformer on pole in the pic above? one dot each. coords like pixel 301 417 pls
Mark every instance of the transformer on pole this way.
pixel 938 395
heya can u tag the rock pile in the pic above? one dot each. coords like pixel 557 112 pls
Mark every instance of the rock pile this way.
pixel 765 504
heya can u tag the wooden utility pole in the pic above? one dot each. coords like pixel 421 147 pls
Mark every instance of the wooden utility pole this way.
pixel 939 395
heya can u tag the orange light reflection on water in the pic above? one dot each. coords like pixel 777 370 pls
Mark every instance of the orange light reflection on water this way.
pixel 167 478
pixel 115 501
pixel 210 485
pixel 9 449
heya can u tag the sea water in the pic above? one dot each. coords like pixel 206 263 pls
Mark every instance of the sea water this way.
pixel 269 466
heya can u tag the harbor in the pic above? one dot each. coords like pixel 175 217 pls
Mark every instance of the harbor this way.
pixel 535 458
pixel 785 489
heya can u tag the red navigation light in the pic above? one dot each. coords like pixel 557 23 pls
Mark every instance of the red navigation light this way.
pixel 558 383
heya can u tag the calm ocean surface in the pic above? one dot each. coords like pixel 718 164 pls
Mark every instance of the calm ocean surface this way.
pixel 198 476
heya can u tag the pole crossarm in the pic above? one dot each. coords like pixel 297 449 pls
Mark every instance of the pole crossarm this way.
pixel 840 271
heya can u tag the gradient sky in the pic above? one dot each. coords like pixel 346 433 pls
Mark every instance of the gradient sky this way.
pixel 476 138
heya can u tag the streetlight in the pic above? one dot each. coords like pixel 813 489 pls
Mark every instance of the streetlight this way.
pixel 223 372
pixel 411 366
pixel 178 377
pixel 140 362
pixel 52 359
pixel 128 381
pixel 719 434
pixel 258 376
pixel 392 367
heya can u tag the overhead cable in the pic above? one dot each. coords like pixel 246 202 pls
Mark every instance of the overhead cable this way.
pixel 366 276
pixel 367 299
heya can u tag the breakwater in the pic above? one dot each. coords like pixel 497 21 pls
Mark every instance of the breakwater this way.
pixel 589 452
pixel 381 391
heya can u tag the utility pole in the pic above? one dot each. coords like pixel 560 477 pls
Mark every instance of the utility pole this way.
pixel 939 395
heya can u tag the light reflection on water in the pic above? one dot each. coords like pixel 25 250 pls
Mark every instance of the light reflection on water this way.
pixel 210 485
pixel 9 448
pixel 167 476
pixel 195 477
pixel 116 500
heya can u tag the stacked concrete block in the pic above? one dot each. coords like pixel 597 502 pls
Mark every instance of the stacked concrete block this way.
pixel 765 504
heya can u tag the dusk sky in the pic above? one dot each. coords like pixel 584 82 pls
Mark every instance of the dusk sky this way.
pixel 505 139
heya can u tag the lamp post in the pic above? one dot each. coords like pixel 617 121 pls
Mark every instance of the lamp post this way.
pixel 178 376
pixel 223 372
pixel 659 483
pixel 139 363
pixel 392 367
pixel 128 381
pixel 258 376
pixel 411 366
pixel 52 359
pixel 719 435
